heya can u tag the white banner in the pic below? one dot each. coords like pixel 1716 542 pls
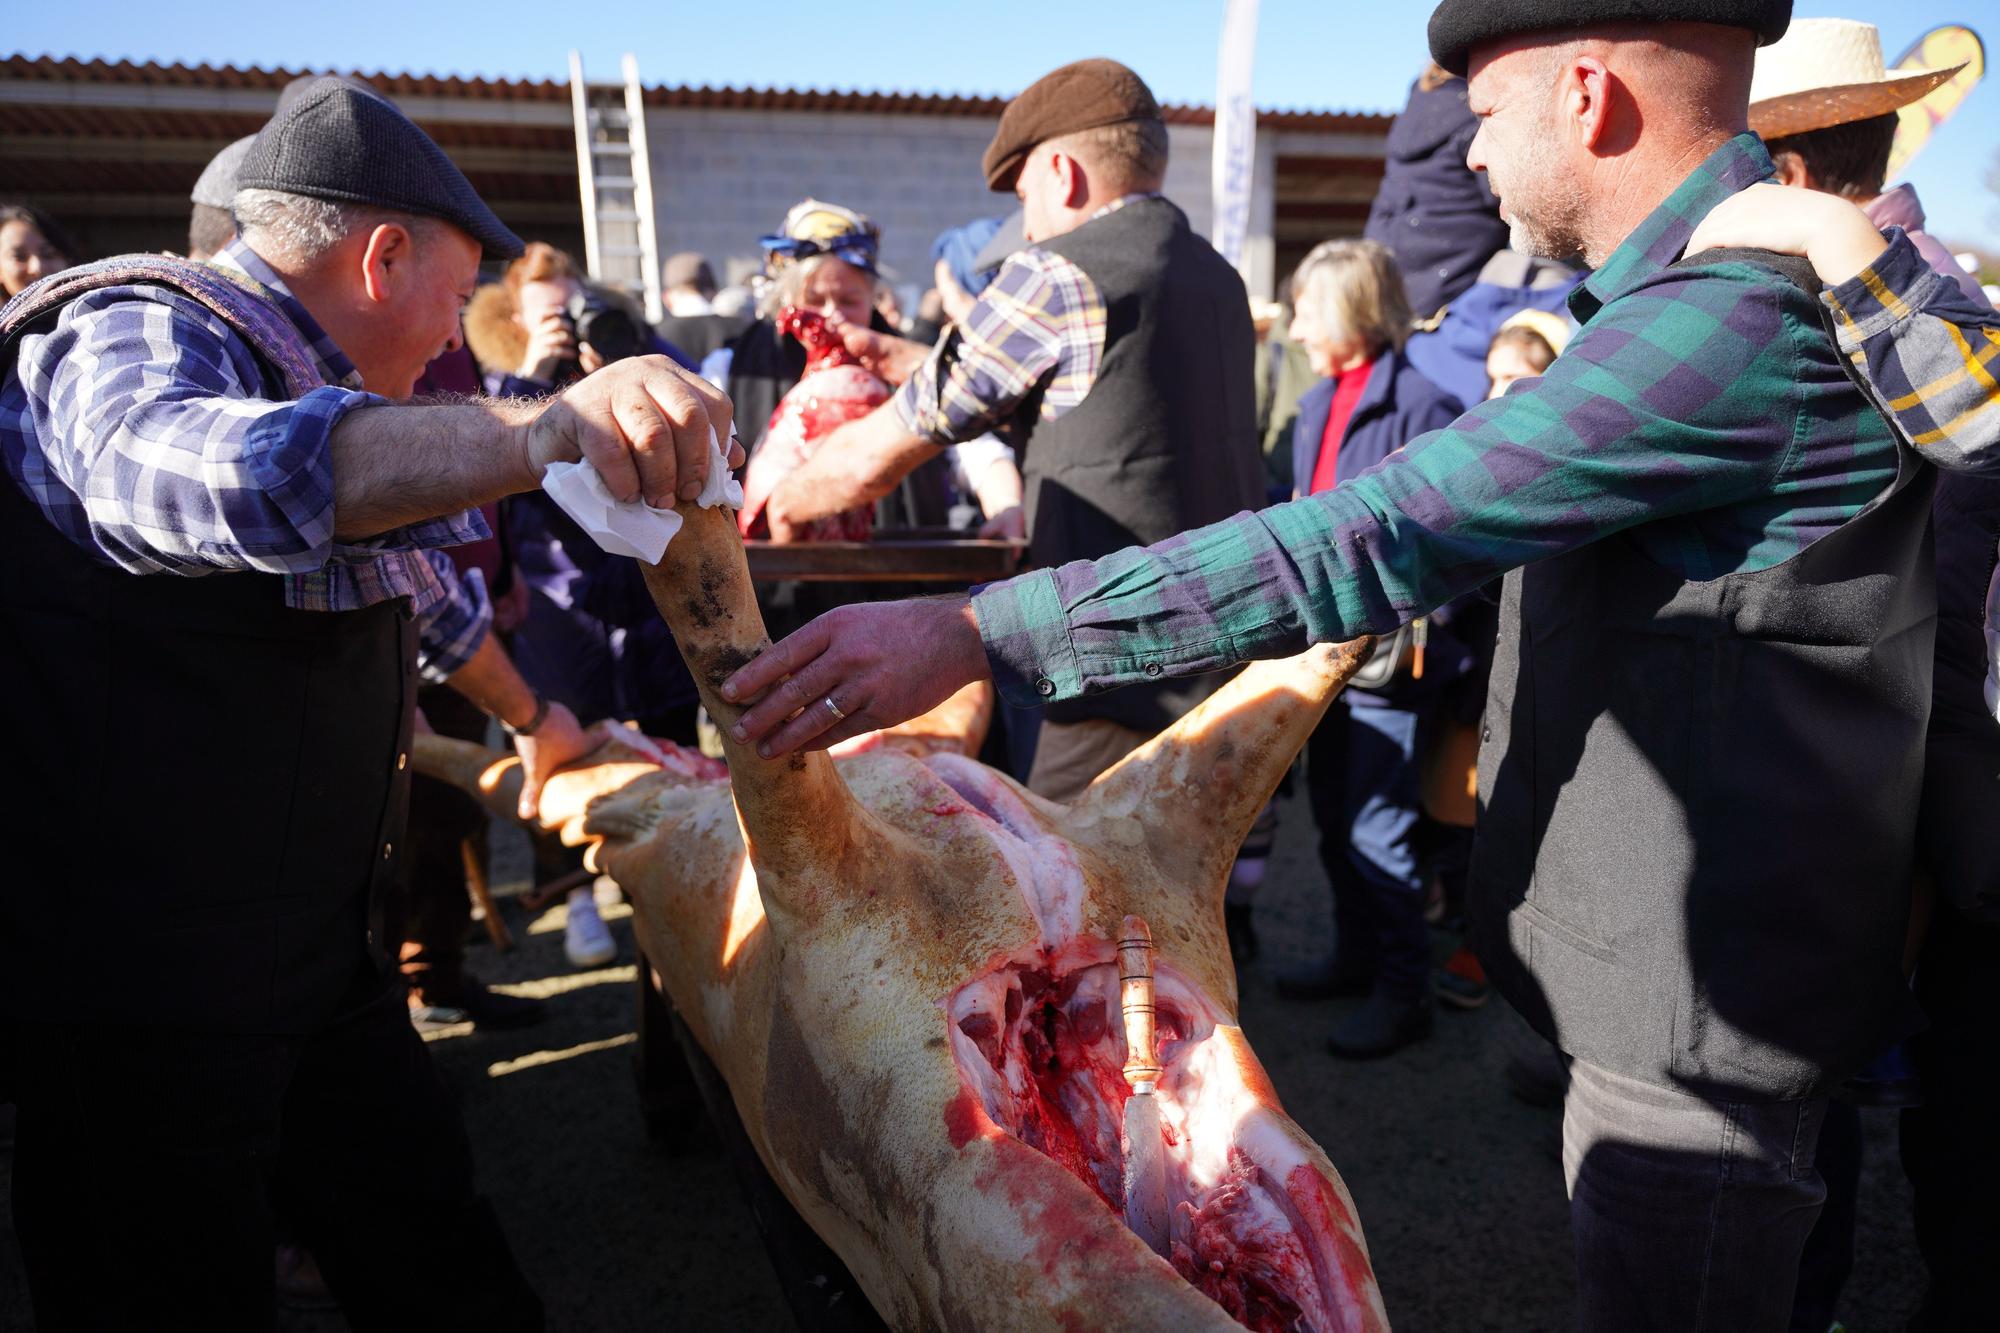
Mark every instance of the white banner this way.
pixel 1235 158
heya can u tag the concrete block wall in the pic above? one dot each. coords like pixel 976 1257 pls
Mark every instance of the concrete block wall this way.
pixel 721 179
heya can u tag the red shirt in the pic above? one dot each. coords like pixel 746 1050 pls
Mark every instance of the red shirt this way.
pixel 1348 386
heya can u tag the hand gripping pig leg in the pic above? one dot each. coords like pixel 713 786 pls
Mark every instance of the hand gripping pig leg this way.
pixel 1145 1154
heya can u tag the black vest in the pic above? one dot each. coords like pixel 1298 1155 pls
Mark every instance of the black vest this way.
pixel 1166 439
pixel 219 783
pixel 1698 804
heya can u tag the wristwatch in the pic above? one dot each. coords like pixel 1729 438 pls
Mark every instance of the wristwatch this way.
pixel 529 727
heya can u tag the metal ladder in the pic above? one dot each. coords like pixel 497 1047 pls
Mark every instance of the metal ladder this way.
pixel 615 178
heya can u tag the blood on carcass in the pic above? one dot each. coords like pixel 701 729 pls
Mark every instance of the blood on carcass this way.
pixel 1246 1258
pixel 1055 1048
pixel 834 390
pixel 927 994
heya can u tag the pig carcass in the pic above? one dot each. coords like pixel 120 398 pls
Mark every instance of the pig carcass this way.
pixel 834 390
pixel 904 965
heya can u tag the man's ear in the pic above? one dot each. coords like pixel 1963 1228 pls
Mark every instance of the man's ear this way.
pixel 1791 169
pixel 1586 94
pixel 1075 188
pixel 386 260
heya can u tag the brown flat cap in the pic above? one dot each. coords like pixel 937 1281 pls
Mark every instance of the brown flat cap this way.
pixel 1080 96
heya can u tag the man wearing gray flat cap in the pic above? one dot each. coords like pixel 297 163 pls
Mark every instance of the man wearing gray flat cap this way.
pixel 223 532
pixel 211 226
pixel 1704 734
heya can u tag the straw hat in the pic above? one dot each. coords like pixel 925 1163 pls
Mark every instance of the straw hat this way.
pixel 1827 72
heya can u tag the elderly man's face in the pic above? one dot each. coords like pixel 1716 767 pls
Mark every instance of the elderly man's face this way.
pixel 1522 146
pixel 421 320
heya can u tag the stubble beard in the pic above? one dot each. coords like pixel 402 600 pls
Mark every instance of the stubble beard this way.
pixel 1543 241
pixel 1546 217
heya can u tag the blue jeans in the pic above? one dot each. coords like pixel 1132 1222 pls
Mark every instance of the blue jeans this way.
pixel 1364 779
pixel 1687 1214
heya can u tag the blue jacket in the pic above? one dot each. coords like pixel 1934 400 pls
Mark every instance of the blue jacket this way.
pixel 1454 354
pixel 1398 405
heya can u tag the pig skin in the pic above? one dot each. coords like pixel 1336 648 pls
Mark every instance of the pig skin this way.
pixel 816 972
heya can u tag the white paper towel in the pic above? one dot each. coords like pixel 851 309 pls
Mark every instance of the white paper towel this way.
pixel 633 527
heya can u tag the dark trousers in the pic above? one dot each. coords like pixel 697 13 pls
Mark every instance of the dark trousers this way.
pixel 1949 1148
pixel 431 909
pixel 1828 1258
pixel 149 1163
pixel 1364 781
pixel 1688 1215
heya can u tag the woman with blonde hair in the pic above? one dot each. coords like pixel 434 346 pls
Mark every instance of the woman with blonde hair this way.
pixel 1363 764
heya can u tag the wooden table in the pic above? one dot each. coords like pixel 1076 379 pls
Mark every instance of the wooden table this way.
pixel 915 555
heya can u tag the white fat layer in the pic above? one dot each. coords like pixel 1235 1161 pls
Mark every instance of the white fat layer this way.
pixel 1206 1104
pixel 1219 1115
pixel 1044 866
pixel 1217 1111
pixel 627 734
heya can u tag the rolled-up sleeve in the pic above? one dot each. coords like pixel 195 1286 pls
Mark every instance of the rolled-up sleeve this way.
pixel 147 410
pixel 1930 352
pixel 1041 317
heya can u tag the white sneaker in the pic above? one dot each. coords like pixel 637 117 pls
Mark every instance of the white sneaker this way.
pixel 586 939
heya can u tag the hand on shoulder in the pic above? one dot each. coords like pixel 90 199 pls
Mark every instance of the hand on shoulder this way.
pixel 1827 230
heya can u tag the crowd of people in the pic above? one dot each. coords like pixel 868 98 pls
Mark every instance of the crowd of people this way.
pixel 1624 431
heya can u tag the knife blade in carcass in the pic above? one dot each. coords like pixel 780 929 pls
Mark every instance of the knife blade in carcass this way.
pixel 1145 1150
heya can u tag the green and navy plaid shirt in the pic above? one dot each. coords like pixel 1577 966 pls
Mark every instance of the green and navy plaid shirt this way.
pixel 1703 410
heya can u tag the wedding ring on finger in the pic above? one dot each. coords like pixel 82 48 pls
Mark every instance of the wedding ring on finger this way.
pixel 834 708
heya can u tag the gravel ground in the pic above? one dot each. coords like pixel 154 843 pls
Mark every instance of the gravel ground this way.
pixel 1458 1185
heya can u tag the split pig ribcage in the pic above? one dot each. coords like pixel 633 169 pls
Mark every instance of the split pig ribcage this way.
pixel 1039 1041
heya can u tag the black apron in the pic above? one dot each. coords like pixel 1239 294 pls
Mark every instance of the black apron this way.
pixel 216 789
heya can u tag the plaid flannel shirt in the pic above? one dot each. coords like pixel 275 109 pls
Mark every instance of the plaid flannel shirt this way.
pixel 1931 352
pixel 1932 355
pixel 138 426
pixel 1037 328
pixel 1703 410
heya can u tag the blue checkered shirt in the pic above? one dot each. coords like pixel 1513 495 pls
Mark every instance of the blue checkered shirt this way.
pixel 139 426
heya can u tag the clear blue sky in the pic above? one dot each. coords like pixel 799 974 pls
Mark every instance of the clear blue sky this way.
pixel 1317 54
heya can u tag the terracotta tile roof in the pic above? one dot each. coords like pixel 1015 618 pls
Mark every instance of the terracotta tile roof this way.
pixel 151 74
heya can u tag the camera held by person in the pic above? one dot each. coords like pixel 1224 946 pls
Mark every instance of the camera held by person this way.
pixel 604 326
pixel 542 326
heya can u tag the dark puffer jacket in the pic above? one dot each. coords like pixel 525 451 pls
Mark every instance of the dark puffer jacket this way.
pixel 1434 212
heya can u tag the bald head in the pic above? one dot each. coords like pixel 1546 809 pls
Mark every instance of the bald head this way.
pixel 1584 131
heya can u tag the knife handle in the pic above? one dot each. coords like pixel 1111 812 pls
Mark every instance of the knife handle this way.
pixel 1135 1001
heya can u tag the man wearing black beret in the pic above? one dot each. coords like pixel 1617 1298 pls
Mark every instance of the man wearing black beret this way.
pixel 1705 730
pixel 225 560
